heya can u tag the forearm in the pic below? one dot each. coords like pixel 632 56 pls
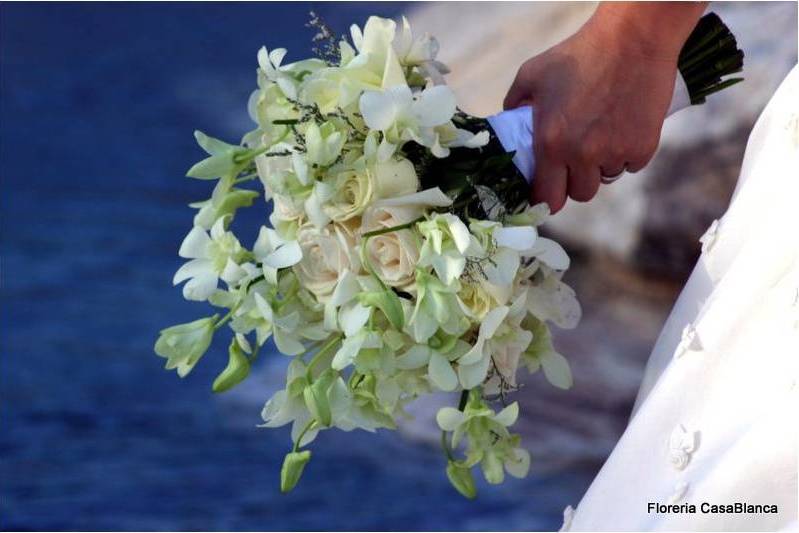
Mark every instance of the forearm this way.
pixel 655 30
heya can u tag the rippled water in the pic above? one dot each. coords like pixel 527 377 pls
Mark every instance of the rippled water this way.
pixel 98 105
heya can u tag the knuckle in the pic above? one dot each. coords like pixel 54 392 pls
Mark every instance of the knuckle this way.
pixel 590 151
pixel 551 137
pixel 616 154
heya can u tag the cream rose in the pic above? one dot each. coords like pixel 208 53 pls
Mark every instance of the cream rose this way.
pixel 352 192
pixel 393 255
pixel 326 252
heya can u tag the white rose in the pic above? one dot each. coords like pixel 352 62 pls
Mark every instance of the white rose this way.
pixel 393 255
pixel 352 192
pixel 395 177
pixel 326 252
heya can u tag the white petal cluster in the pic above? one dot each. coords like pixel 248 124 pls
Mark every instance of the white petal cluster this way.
pixel 380 291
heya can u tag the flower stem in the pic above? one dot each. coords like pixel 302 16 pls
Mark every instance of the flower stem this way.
pixel 324 350
pixel 305 430
pixel 382 231
pixel 445 446
pixel 463 400
pixel 222 321
pixel 254 354
pixel 243 179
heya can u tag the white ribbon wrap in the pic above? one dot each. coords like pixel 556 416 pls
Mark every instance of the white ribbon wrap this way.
pixel 514 129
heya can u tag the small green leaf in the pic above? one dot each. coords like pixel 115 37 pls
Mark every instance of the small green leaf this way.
pixel 388 302
pixel 236 371
pixel 293 465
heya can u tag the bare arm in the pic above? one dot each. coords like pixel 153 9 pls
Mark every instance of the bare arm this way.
pixel 601 95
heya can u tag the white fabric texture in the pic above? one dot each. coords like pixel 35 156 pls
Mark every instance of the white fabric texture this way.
pixel 716 416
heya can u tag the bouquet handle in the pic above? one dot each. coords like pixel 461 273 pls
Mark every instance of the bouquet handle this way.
pixel 514 128
pixel 709 55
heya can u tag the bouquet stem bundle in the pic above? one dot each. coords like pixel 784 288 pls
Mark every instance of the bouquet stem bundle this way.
pixel 710 53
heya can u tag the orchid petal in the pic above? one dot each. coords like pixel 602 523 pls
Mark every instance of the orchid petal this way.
pixel 194 246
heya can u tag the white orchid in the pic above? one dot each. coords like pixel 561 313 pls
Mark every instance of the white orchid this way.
pixel 500 340
pixel 414 51
pixel 540 354
pixel 376 53
pixel 285 76
pixel 275 253
pixel 437 355
pixel 554 301
pixel 500 249
pixel 446 239
pixel 489 442
pixel 224 202
pixel 287 406
pixel 254 313
pixel 402 116
pixel 214 257
pixel 436 308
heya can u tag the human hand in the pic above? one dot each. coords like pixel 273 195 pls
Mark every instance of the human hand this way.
pixel 600 97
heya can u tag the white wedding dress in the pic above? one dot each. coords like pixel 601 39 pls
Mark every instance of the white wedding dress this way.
pixel 716 418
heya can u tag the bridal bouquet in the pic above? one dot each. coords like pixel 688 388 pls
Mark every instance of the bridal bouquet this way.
pixel 400 257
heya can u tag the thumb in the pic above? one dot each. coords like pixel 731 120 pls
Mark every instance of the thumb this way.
pixel 519 93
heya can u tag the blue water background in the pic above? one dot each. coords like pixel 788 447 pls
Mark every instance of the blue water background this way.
pixel 98 105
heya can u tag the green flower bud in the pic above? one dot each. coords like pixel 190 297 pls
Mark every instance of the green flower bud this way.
pixel 237 369
pixel 293 465
pixel 461 478
pixel 184 344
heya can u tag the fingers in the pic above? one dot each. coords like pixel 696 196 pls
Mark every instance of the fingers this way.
pixel 520 92
pixel 550 184
pixel 550 179
pixel 640 156
pixel 583 163
pixel 612 170
pixel 583 183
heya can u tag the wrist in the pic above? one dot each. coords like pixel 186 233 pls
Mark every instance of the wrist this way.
pixel 644 30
